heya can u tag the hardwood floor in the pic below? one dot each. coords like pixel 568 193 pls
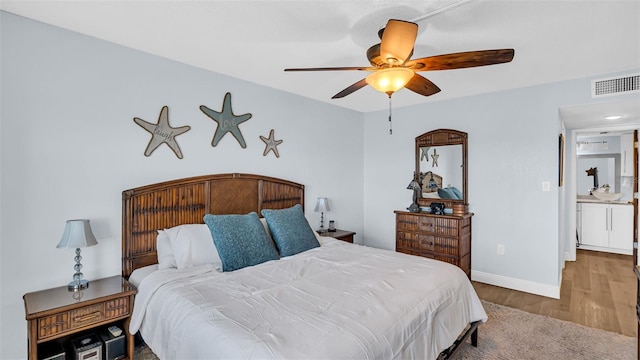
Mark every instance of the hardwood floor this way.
pixel 598 290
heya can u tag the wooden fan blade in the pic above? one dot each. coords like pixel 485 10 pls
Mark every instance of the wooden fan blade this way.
pixel 397 41
pixel 359 68
pixel 354 87
pixel 461 60
pixel 421 85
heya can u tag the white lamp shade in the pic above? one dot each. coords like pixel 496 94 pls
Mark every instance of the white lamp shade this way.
pixel 322 205
pixel 77 234
pixel 389 80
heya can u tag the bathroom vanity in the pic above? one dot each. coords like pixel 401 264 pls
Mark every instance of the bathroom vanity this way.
pixel 605 225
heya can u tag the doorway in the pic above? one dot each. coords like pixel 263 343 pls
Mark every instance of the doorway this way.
pixel 591 121
pixel 605 164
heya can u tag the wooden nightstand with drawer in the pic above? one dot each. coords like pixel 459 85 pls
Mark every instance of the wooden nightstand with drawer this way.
pixel 344 235
pixel 56 314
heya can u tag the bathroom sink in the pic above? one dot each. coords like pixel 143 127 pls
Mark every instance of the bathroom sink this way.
pixel 606 196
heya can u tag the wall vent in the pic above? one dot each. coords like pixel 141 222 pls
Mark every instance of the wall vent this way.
pixel 615 86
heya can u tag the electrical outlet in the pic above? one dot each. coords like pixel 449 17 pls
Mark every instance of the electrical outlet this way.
pixel 500 249
pixel 546 186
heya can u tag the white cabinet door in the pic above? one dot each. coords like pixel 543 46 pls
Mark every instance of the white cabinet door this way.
pixel 595 224
pixel 621 227
pixel 626 154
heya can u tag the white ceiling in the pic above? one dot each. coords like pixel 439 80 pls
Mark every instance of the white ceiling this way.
pixel 256 40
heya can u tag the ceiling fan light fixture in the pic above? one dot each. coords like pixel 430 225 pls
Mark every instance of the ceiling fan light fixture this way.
pixel 389 80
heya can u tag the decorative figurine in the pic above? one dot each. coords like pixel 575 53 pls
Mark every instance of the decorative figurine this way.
pixel 415 186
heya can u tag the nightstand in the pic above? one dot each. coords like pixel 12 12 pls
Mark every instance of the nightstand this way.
pixel 55 314
pixel 343 235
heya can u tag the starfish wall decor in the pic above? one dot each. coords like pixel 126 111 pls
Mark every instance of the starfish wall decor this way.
pixel 271 143
pixel 435 157
pixel 162 133
pixel 227 121
pixel 425 153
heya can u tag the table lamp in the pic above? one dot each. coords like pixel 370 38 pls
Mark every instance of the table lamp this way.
pixel 322 205
pixel 77 234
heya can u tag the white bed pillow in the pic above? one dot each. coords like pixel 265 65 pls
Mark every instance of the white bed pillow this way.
pixel 166 257
pixel 192 245
pixel 266 228
pixel 431 195
pixel 139 274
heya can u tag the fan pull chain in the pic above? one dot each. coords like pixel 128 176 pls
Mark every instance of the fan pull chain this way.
pixel 390 130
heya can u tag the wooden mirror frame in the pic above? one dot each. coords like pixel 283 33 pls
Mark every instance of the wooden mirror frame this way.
pixel 443 137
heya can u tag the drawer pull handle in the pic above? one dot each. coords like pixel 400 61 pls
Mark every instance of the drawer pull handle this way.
pixel 87 317
pixel 55 324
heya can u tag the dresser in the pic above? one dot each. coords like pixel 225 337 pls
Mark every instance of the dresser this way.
pixel 441 237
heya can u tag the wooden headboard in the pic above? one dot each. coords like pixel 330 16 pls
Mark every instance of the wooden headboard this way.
pixel 185 201
pixel 424 180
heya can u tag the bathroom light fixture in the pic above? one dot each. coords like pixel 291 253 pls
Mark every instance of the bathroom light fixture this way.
pixel 77 234
pixel 613 117
pixel 322 205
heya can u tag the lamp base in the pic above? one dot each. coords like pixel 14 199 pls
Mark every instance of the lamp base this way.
pixel 78 285
pixel 414 208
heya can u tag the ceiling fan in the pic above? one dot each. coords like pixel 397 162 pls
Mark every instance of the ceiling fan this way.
pixel 392 69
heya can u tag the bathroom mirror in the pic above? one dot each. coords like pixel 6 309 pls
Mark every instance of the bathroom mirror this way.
pixel 441 167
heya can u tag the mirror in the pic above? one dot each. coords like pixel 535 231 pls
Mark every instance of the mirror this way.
pixel 441 162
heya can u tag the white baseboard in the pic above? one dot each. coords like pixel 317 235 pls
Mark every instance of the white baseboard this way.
pixel 568 257
pixel 516 284
pixel 606 249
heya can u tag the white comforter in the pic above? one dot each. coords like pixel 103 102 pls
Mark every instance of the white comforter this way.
pixel 338 301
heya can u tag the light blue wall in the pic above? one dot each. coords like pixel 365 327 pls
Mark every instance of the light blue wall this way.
pixel 69 148
pixel 513 149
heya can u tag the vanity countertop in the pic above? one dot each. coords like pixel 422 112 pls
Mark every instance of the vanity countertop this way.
pixel 593 199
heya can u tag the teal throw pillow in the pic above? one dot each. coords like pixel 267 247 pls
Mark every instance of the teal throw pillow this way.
pixel 290 230
pixel 241 240
pixel 446 194
pixel 456 192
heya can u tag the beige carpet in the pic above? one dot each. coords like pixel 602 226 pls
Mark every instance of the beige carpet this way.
pixel 512 334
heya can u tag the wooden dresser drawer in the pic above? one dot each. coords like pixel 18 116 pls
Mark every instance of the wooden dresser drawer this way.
pixel 415 241
pixel 408 222
pixel 53 325
pixel 448 246
pixel 117 308
pixel 445 226
pixel 87 315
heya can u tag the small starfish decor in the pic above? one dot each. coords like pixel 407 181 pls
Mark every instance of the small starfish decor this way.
pixel 227 121
pixel 271 143
pixel 425 153
pixel 162 133
pixel 435 157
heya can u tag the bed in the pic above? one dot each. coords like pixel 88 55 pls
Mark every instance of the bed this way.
pixel 333 301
